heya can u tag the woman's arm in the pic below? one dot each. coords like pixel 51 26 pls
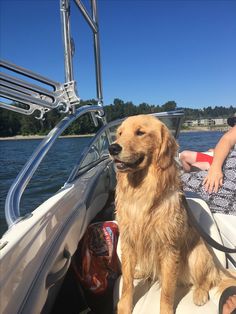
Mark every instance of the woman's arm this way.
pixel 214 178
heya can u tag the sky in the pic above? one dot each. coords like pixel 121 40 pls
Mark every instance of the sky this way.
pixel 151 51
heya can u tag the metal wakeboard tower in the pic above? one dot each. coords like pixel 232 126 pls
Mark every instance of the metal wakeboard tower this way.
pixel 44 94
pixel 25 92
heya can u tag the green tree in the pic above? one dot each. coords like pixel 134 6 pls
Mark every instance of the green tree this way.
pixel 12 123
pixel 169 106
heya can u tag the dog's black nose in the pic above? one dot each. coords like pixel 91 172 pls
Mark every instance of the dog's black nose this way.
pixel 114 149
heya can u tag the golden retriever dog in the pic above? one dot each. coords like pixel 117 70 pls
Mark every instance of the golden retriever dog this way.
pixel 156 240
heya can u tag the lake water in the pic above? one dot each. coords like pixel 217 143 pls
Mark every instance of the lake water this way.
pixel 58 164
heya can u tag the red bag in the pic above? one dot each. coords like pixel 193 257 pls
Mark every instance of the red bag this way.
pixel 96 262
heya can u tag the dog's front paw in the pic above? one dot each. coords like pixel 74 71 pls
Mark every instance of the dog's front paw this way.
pixel 200 296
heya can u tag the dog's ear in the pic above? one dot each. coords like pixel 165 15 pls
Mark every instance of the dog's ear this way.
pixel 167 150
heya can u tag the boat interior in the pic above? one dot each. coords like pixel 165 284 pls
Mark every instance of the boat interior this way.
pixel 40 251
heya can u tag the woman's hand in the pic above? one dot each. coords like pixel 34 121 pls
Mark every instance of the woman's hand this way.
pixel 213 180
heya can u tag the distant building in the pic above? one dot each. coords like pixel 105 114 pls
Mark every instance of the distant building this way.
pixel 206 122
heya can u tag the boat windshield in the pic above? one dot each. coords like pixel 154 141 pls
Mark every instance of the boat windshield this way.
pixel 98 149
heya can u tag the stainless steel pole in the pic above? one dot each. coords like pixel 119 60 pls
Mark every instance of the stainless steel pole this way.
pixel 65 18
pixel 86 15
pixel 97 54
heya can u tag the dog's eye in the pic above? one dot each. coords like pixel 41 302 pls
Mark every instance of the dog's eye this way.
pixel 140 133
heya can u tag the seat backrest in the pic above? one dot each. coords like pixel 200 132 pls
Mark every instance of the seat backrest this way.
pixel 203 215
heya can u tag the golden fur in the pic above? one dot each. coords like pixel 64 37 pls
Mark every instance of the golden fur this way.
pixel 156 240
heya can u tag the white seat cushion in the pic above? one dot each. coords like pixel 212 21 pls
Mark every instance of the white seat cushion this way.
pixel 205 218
pixel 227 227
pixel 147 299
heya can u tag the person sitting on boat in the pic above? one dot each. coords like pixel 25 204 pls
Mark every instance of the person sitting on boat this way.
pixel 220 164
pixel 216 184
pixel 200 160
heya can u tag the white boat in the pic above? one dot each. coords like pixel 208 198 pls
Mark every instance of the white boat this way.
pixel 37 249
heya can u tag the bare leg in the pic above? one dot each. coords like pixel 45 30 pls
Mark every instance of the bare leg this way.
pixel 203 165
pixel 187 158
pixel 128 262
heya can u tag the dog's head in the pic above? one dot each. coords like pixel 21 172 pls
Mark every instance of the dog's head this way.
pixel 140 141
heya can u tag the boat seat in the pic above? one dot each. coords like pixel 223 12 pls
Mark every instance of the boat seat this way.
pixel 147 294
pixel 227 227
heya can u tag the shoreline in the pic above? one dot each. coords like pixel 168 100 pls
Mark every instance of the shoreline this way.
pixel 204 130
pixel 40 137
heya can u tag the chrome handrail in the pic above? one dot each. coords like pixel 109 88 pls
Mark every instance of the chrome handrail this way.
pixel 12 205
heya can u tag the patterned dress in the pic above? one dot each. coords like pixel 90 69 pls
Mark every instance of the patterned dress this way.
pixel 224 201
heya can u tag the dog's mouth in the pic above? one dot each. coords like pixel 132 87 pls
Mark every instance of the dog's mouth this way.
pixel 124 166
